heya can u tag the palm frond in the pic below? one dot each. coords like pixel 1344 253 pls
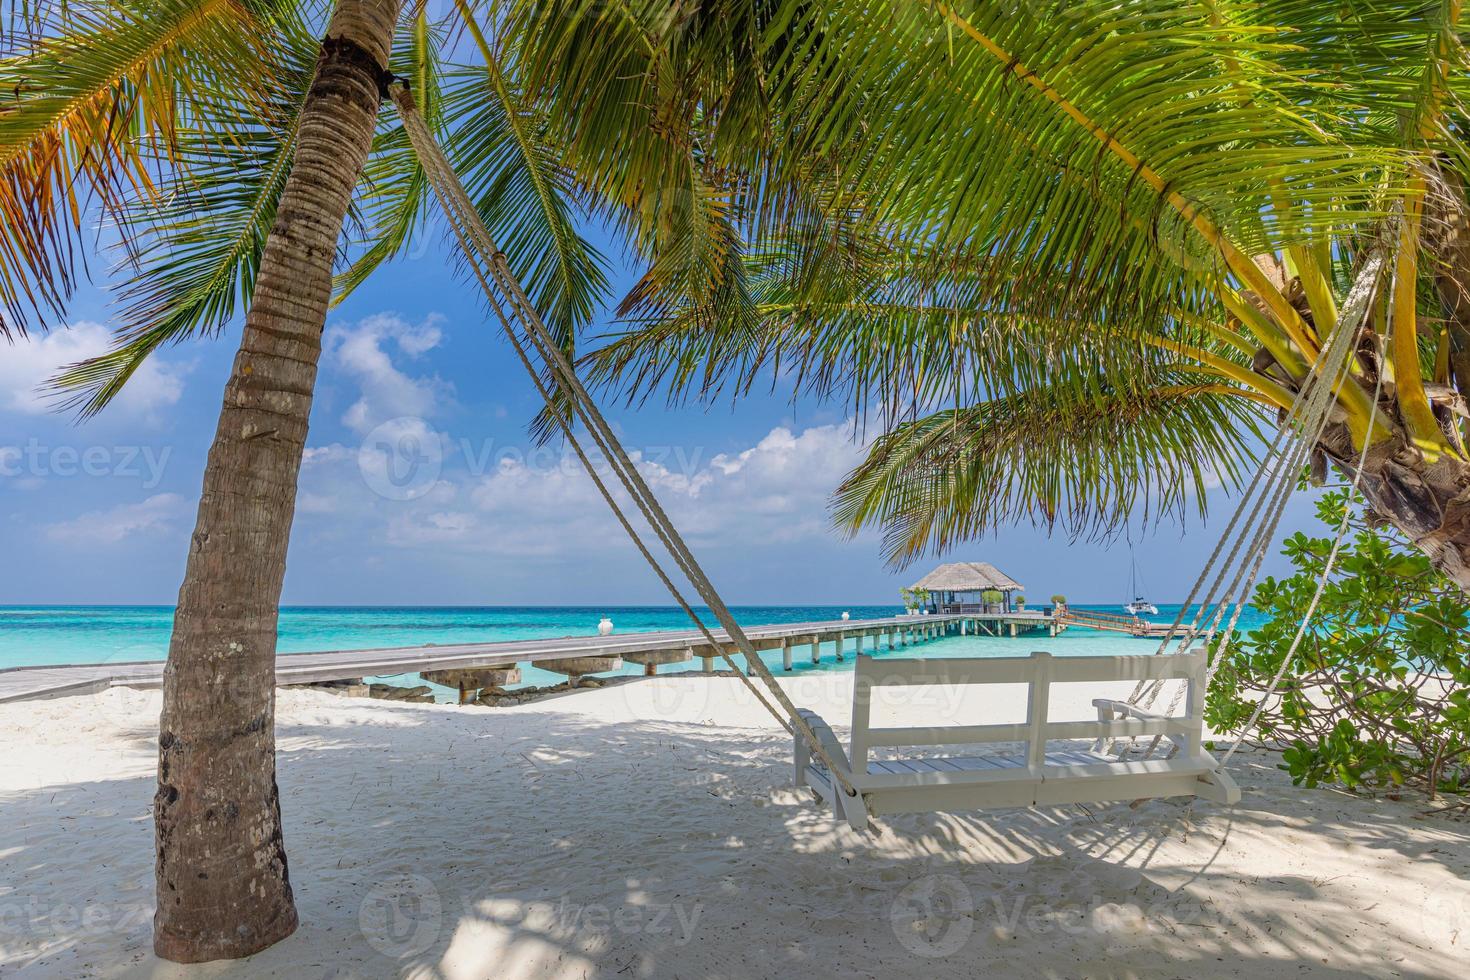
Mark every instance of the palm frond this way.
pixel 97 96
pixel 893 328
pixel 526 192
pixel 1051 455
pixel 394 187
pixel 193 251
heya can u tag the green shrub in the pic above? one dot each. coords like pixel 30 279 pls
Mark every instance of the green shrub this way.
pixel 991 596
pixel 1378 693
pixel 1059 600
pixel 914 598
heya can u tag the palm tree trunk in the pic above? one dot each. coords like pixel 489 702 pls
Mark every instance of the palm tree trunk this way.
pixel 223 886
pixel 1428 501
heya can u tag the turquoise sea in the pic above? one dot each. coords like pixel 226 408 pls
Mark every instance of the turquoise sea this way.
pixel 35 635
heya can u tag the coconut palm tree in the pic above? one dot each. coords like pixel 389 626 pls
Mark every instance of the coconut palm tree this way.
pixel 1073 255
pixel 222 147
pixel 1048 213
pixel 222 882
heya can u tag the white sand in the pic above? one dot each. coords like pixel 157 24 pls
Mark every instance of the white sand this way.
pixel 650 830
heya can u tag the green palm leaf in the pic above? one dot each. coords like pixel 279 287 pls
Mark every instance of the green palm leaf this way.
pixel 1051 456
pixel 193 253
pixel 394 191
pixel 93 97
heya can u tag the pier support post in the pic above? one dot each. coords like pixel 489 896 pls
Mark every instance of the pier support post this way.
pixel 652 660
pixel 470 681
pixel 816 648
pixel 860 637
pixel 839 647
pixel 785 653
pixel 964 624
pixel 576 667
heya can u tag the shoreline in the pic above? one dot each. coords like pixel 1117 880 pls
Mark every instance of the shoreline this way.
pixel 572 656
pixel 650 828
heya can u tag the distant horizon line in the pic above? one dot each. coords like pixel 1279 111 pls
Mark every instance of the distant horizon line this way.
pixel 510 605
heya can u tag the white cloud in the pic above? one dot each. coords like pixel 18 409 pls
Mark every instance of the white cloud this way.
pixel 411 488
pixel 26 365
pixel 112 525
pixel 362 352
pixel 545 504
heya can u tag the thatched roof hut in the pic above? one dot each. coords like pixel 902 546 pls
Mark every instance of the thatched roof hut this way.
pixel 956 586
pixel 968 576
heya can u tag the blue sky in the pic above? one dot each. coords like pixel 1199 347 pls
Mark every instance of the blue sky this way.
pixel 101 512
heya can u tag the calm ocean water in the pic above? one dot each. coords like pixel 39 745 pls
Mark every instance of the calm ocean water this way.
pixel 34 635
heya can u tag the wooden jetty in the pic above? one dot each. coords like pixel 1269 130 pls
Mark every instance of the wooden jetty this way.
pixel 571 655
pixel 1112 622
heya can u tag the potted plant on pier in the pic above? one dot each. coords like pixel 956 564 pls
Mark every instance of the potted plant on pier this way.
pixel 1020 603
pixel 992 599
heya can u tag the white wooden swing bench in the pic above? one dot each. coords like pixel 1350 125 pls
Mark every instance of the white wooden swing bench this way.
pixel 970 782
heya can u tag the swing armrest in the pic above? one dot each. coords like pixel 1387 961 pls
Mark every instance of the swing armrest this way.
pixel 1108 708
pixel 1125 709
pixel 825 735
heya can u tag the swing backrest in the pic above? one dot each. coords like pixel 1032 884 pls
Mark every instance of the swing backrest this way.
pixel 1038 672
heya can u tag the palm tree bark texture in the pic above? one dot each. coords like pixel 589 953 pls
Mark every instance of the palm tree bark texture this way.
pixel 223 888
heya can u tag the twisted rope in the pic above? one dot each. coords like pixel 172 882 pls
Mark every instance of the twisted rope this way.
pixel 489 265
pixel 1311 411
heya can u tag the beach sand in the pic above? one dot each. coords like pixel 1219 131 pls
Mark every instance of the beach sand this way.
pixel 650 829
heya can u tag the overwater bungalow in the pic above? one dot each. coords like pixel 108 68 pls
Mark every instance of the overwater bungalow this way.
pixel 958 587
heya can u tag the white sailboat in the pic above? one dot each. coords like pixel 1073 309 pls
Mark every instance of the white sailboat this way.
pixel 1139 606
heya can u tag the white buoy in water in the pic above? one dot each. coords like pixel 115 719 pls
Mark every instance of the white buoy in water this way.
pixel 605 627
pixel 846 616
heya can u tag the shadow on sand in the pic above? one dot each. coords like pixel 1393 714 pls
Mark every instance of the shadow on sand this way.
pixel 454 843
